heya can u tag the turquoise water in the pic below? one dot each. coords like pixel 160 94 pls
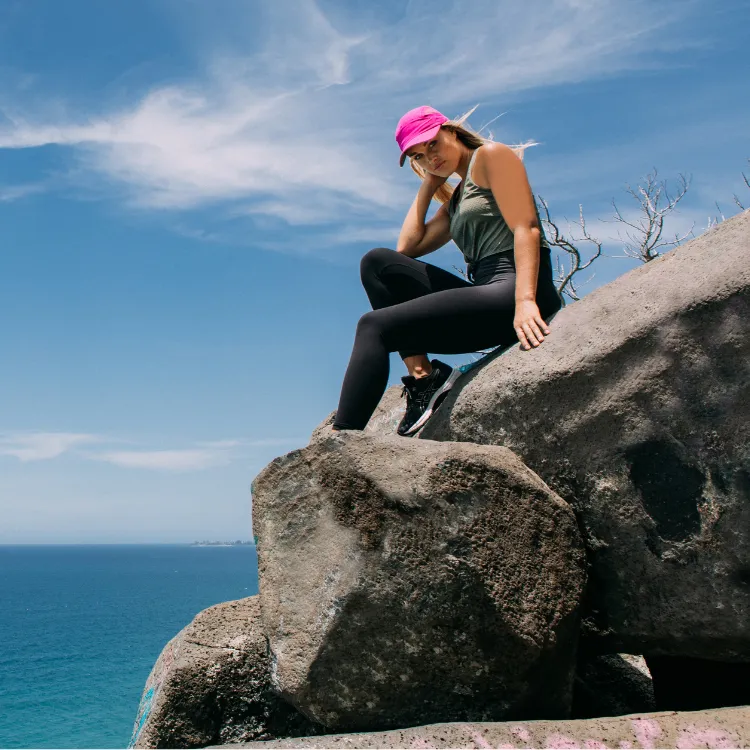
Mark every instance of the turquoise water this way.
pixel 81 627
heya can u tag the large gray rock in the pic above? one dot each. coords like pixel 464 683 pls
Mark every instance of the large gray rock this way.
pixel 211 684
pixel 728 727
pixel 612 685
pixel 636 409
pixel 405 581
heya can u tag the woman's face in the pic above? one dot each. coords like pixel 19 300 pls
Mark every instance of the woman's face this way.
pixel 440 156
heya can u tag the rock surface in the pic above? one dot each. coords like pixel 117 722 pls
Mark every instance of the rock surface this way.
pixel 636 409
pixel 612 685
pixel 727 727
pixel 408 581
pixel 384 421
pixel 405 581
pixel 211 684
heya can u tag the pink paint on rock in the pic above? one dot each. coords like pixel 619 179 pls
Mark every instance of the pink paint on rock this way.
pixel 646 731
pixel 713 738
pixel 561 742
pixel 522 733
pixel 480 740
pixel 625 745
pixel 595 745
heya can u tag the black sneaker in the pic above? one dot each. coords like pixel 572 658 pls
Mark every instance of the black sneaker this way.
pixel 423 396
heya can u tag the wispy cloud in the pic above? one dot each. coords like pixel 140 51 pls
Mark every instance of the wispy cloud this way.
pixel 294 131
pixel 9 193
pixel 273 442
pixel 166 460
pixel 41 446
pixel 372 234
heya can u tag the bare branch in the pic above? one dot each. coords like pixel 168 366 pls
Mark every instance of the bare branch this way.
pixel 565 278
pixel 747 183
pixel 461 272
pixel 655 203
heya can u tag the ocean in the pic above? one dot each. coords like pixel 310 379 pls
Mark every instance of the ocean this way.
pixel 81 627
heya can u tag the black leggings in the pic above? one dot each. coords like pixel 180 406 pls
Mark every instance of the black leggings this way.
pixel 419 308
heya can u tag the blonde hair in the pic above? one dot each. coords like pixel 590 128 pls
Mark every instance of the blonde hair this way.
pixel 472 140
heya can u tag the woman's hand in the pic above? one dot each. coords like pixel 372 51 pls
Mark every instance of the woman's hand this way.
pixel 528 324
pixel 419 237
pixel 432 182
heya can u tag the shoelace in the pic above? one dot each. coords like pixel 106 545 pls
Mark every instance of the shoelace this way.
pixel 419 399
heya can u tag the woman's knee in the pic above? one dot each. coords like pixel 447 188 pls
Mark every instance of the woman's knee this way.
pixel 373 261
pixel 380 329
pixel 376 327
pixel 369 324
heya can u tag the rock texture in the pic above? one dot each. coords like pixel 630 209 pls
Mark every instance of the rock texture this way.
pixel 636 409
pixel 405 581
pixel 442 579
pixel 612 685
pixel 712 729
pixel 384 420
pixel 211 684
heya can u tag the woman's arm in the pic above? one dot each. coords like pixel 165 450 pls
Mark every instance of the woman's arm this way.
pixel 510 187
pixel 417 237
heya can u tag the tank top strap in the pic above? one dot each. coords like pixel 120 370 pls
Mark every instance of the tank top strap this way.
pixel 469 168
pixel 458 194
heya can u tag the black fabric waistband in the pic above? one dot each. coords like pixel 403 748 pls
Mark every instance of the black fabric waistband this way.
pixel 497 266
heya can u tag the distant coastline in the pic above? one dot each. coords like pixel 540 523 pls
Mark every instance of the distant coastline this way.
pixel 212 543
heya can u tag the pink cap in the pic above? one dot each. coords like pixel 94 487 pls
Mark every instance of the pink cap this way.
pixel 417 126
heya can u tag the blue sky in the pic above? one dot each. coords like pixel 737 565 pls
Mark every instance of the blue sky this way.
pixel 186 188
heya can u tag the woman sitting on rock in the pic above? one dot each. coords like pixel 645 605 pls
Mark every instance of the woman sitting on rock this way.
pixel 420 308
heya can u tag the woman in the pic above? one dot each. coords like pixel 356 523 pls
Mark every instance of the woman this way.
pixel 419 308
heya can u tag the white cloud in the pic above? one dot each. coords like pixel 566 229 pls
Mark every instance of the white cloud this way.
pixel 220 444
pixel 194 459
pixel 296 131
pixel 40 446
pixel 9 193
pixel 376 235
pixel 274 442
pixel 205 455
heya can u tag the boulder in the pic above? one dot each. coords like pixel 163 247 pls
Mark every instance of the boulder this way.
pixel 406 581
pixel 384 421
pixel 390 411
pixel 211 684
pixel 611 685
pixel 636 409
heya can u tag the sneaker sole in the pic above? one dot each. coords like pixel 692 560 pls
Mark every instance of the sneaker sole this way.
pixel 444 388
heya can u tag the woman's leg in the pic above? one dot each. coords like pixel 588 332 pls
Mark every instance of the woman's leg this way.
pixel 390 278
pixel 461 319
pixel 449 322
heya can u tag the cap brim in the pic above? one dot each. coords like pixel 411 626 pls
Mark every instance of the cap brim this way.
pixel 428 135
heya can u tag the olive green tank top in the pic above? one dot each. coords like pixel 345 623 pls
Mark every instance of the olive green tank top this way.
pixel 476 224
